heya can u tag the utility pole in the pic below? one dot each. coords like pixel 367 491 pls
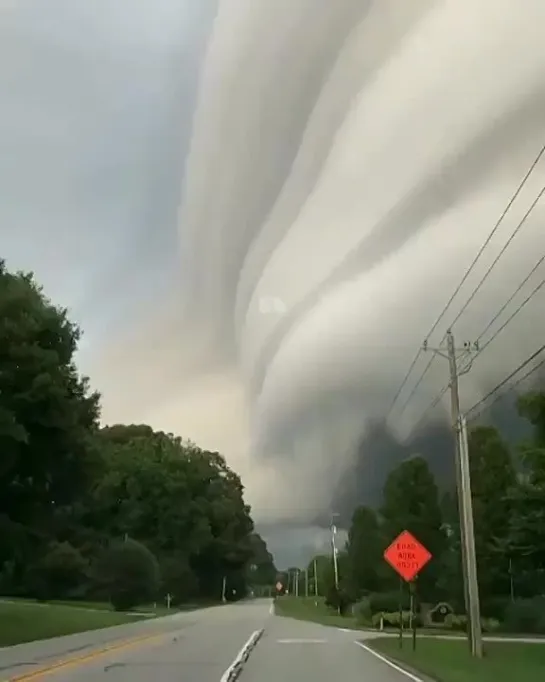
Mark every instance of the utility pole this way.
pixel 315 577
pixel 463 487
pixel 306 582
pixel 296 582
pixel 334 549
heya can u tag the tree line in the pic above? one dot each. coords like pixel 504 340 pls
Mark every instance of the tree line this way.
pixel 121 512
pixel 508 493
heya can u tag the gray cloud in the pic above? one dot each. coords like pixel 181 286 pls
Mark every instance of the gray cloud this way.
pixel 410 150
pixel 165 170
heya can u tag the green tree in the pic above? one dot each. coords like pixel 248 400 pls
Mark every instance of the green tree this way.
pixel 525 543
pixel 492 477
pixel 60 573
pixel 128 573
pixel 411 502
pixel 68 489
pixel 364 552
pixel 48 416
pixel 261 568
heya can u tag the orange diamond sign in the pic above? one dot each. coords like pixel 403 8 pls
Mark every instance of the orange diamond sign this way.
pixel 407 556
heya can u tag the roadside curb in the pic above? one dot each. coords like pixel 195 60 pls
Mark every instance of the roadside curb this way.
pixel 236 666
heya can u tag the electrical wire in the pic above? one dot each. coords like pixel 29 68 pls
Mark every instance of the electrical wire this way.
pixel 511 317
pixel 505 381
pixel 431 406
pixel 462 282
pixel 511 298
pixel 500 254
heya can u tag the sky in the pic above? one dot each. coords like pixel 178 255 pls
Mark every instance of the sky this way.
pixel 257 210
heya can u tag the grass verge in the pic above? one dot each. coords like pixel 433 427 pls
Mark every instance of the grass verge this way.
pixel 450 661
pixel 315 610
pixel 27 621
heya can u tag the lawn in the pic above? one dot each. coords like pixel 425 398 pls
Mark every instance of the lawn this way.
pixel 22 621
pixel 449 661
pixel 315 610
pixel 309 608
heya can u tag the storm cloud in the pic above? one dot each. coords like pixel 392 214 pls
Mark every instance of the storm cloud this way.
pixel 258 210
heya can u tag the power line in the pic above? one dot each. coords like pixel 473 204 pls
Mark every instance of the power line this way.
pixel 500 254
pixel 512 316
pixel 431 406
pixel 462 282
pixel 517 382
pixel 508 379
pixel 474 293
pixel 510 299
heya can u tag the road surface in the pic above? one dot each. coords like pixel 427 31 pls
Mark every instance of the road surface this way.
pixel 201 646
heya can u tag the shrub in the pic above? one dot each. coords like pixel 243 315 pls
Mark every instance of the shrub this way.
pixel 362 612
pixel 391 619
pixel 525 616
pixel 128 573
pixel 455 622
pixel 495 607
pixel 490 624
pixel 387 601
pixel 337 599
pixel 58 573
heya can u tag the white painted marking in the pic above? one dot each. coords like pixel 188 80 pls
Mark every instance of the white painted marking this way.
pixel 271 609
pixel 239 657
pixel 344 630
pixel 399 669
pixel 301 641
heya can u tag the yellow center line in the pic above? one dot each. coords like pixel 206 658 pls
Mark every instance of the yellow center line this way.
pixel 79 660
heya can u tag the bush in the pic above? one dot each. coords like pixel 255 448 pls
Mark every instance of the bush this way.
pixel 388 602
pixel 338 599
pixel 129 574
pixel 455 622
pixel 495 607
pixel 58 573
pixel 391 619
pixel 490 624
pixel 525 616
pixel 362 612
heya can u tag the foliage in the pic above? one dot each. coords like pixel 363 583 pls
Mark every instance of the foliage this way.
pixel 59 572
pixel 508 495
pixel 388 601
pixel 411 502
pixel 525 615
pixel 69 488
pixel 128 574
pixel 364 549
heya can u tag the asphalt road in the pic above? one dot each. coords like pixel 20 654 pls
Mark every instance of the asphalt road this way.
pixel 201 646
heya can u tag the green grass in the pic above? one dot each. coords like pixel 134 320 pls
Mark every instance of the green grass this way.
pixel 450 661
pixel 23 621
pixel 315 610
pixel 306 608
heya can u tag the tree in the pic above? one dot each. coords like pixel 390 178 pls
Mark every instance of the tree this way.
pixel 48 416
pixel 59 573
pixel 128 574
pixel 492 477
pixel 262 570
pixel 411 502
pixel 364 552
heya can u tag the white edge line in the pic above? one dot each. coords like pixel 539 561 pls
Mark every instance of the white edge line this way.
pixel 301 641
pixel 240 656
pixel 399 669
